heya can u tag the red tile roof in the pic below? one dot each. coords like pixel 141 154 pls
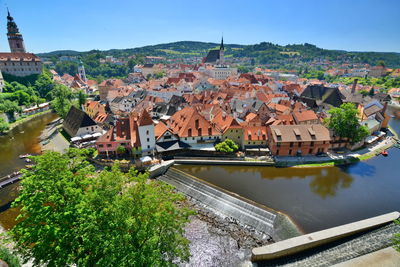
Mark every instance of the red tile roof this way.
pixel 188 122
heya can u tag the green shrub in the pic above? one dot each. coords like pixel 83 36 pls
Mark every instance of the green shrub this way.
pixel 227 146
pixel 9 257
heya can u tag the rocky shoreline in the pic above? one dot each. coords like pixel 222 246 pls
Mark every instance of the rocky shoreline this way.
pixel 217 240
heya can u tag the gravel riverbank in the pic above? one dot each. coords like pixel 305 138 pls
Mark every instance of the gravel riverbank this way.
pixel 220 241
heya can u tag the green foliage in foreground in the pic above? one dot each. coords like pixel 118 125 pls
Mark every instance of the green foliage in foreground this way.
pixel 9 257
pixel 227 146
pixel 344 122
pixel 72 215
pixel 4 126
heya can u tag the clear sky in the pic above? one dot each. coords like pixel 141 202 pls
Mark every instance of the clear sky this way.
pixel 355 25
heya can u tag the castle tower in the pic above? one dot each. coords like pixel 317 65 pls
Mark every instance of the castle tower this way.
pixel 81 71
pixel 15 39
pixel 221 52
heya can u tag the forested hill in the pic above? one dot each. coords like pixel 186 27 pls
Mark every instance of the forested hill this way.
pixel 262 53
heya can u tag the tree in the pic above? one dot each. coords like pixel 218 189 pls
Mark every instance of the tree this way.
pixel 243 69
pixel 4 126
pixel 44 84
pixel 159 75
pixel 62 96
pixel 72 215
pixel 8 257
pixel 9 107
pixel 344 123
pixel 227 146
pixel 381 63
pixel 121 149
pixel 364 92
pixel 371 92
pixel 81 98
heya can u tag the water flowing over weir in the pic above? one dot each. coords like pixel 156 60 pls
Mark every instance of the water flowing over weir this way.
pixel 226 204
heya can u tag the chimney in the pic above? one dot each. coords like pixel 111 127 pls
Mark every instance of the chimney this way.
pixel 353 89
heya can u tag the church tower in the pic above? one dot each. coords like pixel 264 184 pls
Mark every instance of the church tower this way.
pixel 81 72
pixel 221 52
pixel 15 39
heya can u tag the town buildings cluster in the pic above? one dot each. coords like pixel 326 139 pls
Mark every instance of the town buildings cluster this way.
pixel 193 107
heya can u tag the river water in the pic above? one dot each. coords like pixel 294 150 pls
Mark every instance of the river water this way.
pixel 316 198
pixel 23 139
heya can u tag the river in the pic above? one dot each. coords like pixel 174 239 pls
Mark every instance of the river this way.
pixel 316 198
pixel 23 139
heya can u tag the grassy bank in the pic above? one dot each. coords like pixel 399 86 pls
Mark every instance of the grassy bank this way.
pixel 23 119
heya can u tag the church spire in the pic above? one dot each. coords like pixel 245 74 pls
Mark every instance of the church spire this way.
pixel 221 47
pixel 15 39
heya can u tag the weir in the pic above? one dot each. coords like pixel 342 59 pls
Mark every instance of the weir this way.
pixel 227 204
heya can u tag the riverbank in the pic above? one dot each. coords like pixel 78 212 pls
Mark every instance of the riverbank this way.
pixel 51 138
pixel 25 119
pixel 217 241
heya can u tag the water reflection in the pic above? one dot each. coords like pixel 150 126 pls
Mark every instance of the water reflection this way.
pixel 324 182
pixel 22 139
pixel 361 168
pixel 328 183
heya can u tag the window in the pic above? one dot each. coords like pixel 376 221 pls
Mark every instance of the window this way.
pixel 299 144
pixel 190 132
pixel 87 128
pixel 147 132
pixel 311 151
pixel 291 145
pixel 312 143
pixel 278 144
pixel 101 145
pixel 108 145
pixel 277 152
pixel 290 152
pixel 148 139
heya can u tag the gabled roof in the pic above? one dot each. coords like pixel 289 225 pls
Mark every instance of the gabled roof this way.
pixel 224 122
pixel 188 122
pixel 305 115
pixel 299 133
pixel 212 56
pixel 76 119
pixel 255 133
pixel 145 119
pixel 327 95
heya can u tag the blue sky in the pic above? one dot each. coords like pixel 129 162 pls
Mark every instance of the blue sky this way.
pixel 355 25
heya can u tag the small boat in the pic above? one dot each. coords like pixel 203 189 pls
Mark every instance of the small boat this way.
pixel 24 156
pixel 27 160
pixel 385 153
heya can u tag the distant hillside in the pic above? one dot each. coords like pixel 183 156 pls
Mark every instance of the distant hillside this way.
pixel 60 53
pixel 262 53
